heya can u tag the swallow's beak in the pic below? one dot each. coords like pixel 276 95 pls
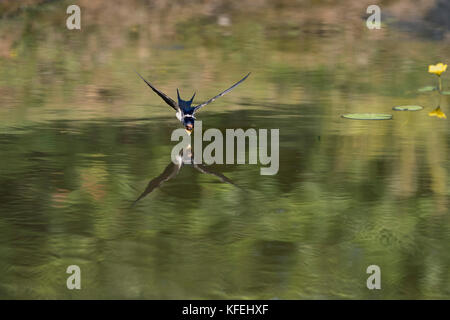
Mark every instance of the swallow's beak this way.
pixel 189 128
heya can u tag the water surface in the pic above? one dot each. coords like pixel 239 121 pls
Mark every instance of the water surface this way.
pixel 81 136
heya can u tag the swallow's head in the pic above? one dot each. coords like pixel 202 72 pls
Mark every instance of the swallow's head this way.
pixel 188 123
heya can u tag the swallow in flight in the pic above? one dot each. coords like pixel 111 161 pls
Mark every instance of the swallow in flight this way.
pixel 185 112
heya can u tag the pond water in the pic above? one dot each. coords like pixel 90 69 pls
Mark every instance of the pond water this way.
pixel 81 137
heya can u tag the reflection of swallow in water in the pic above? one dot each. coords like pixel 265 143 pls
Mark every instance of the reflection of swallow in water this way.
pixel 172 170
pixel 185 112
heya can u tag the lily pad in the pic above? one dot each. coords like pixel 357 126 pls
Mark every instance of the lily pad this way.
pixel 427 89
pixel 407 108
pixel 367 116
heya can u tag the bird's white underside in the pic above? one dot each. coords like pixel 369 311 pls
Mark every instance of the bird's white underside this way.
pixel 178 115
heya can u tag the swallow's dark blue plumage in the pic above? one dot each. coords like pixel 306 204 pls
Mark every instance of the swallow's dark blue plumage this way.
pixel 185 110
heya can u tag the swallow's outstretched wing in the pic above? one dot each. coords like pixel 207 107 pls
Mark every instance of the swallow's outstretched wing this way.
pixel 169 172
pixel 167 99
pixel 221 94
pixel 203 169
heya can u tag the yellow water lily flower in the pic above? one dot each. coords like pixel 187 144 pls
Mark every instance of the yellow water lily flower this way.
pixel 437 69
pixel 13 53
pixel 437 113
